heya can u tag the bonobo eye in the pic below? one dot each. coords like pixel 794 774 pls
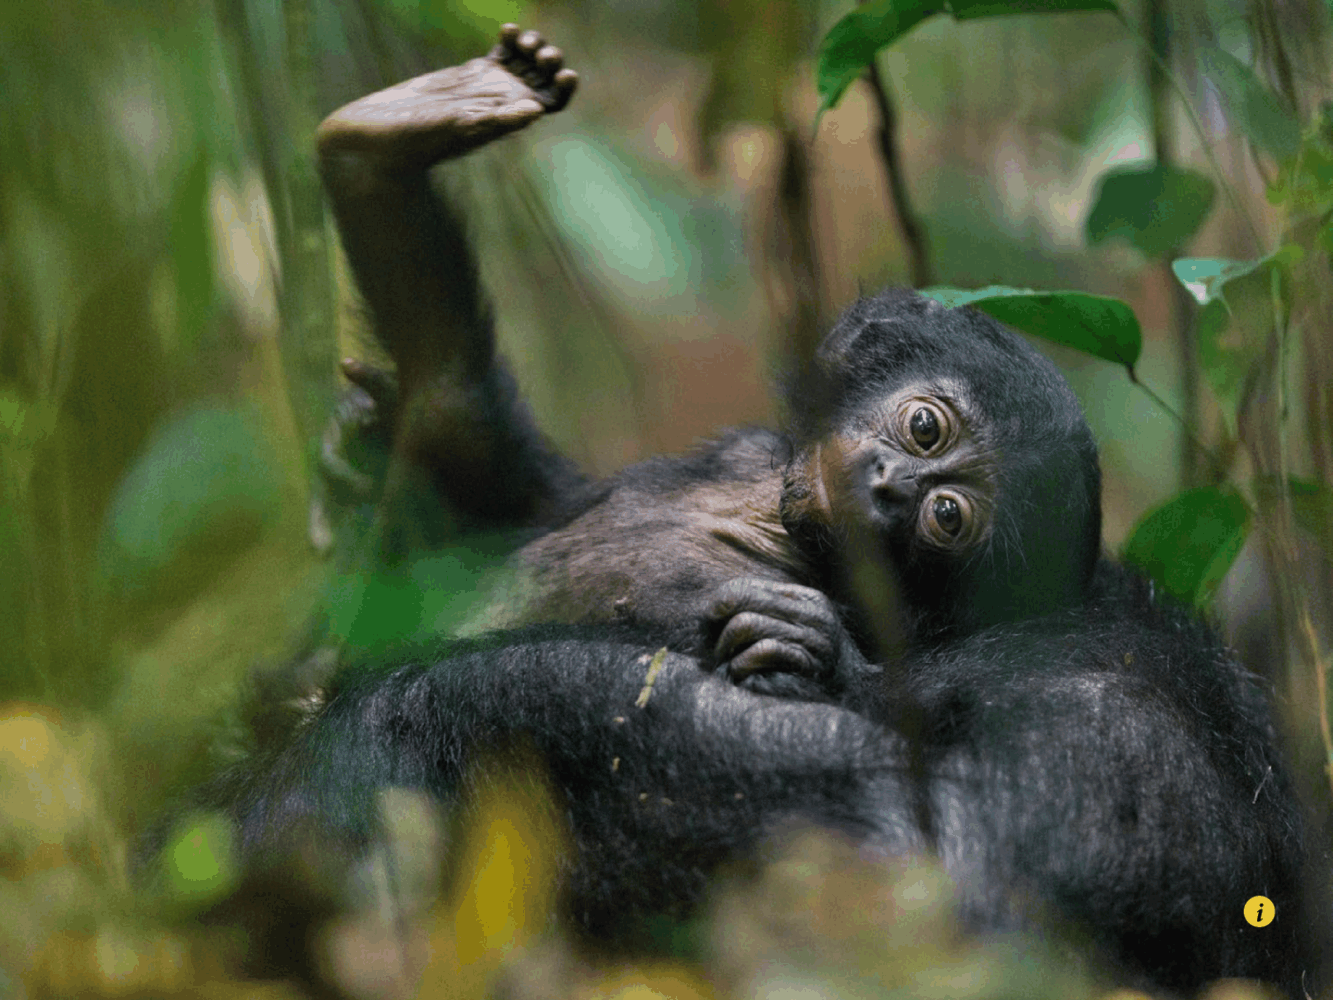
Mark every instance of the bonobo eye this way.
pixel 947 515
pixel 925 428
pixel 925 425
pixel 948 519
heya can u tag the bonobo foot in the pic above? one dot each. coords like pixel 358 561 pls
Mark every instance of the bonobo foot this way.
pixel 452 111
pixel 783 639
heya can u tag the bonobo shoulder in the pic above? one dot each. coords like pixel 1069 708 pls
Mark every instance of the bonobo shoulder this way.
pixel 1125 628
pixel 743 454
pixel 734 456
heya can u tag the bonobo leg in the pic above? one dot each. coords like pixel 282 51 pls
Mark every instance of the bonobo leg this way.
pixel 455 410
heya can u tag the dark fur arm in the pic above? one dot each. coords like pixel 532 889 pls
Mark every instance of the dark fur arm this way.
pixel 1116 779
pixel 459 414
pixel 659 796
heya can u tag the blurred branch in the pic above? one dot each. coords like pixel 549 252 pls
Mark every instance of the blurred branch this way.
pixel 279 96
pixel 887 137
pixel 795 244
pixel 1194 465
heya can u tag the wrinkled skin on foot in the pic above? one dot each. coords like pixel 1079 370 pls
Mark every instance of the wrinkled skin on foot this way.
pixel 452 111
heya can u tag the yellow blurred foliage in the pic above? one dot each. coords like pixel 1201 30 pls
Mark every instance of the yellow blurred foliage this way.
pixel 111 962
pixel 51 808
pixel 652 982
pixel 821 916
pixel 505 889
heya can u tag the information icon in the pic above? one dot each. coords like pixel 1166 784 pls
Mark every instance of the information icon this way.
pixel 1259 911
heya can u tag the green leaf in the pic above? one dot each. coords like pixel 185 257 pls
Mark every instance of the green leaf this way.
pixel 640 244
pixel 852 43
pixel 966 10
pixel 1305 182
pixel 1095 324
pixel 1156 208
pixel 205 485
pixel 1253 107
pixel 1188 543
pixel 201 863
pixel 1238 299
pixel 1205 276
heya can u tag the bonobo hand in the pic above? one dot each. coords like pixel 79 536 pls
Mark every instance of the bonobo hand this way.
pixel 782 639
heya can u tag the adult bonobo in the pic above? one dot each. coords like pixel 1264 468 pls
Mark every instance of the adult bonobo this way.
pixel 1107 771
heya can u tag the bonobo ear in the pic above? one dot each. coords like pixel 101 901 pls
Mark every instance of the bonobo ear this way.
pixel 882 319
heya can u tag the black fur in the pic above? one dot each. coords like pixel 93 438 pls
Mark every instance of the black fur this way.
pixel 1107 770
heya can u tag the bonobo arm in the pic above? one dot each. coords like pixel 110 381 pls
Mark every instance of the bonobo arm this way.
pixel 659 795
pixel 456 409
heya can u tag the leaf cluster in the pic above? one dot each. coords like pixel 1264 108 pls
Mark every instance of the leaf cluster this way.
pixel 1188 543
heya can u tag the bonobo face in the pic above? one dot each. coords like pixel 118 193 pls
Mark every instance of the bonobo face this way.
pixel 943 446
pixel 912 469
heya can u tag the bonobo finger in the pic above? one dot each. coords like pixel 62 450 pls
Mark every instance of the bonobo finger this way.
pixel 749 628
pixel 529 42
pixel 565 83
pixel 341 477
pixel 781 685
pixel 344 482
pixel 787 601
pixel 770 656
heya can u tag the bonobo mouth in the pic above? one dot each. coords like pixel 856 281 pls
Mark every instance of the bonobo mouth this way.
pixel 803 505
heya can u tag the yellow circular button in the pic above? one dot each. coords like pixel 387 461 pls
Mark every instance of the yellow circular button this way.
pixel 1259 911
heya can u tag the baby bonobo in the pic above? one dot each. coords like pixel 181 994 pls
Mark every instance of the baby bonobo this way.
pixel 930 454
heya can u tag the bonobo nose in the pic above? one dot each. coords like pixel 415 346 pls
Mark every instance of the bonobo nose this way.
pixel 891 476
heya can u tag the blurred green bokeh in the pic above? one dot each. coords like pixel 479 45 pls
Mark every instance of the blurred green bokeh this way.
pixel 173 305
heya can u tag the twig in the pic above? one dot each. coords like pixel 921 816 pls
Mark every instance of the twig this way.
pixel 913 235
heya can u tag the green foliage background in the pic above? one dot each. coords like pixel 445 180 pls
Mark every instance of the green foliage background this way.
pixel 173 305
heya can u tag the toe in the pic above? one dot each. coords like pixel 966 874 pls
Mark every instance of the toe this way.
pixel 549 58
